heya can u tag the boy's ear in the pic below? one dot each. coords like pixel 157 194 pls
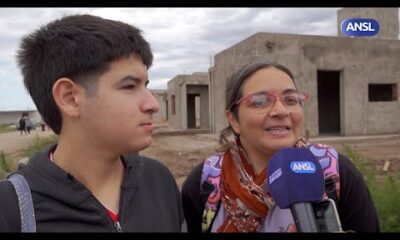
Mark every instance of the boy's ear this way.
pixel 232 121
pixel 68 95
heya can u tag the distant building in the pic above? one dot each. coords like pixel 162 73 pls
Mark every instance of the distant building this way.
pixel 162 115
pixel 353 82
pixel 188 101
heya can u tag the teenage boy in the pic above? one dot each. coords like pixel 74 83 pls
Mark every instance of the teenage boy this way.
pixel 87 77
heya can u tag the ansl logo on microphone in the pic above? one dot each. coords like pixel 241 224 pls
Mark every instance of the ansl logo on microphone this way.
pixel 302 167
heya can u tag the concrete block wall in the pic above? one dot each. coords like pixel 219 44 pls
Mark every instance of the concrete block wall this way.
pixel 161 96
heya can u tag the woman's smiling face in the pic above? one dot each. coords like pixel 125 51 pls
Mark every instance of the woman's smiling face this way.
pixel 278 124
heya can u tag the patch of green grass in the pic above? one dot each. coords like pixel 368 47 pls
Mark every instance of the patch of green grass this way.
pixel 38 144
pixel 5 162
pixel 356 158
pixel 385 194
pixel 5 165
pixel 8 164
pixel 386 200
pixel 7 128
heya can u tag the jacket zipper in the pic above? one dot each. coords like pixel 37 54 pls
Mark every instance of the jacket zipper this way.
pixel 118 226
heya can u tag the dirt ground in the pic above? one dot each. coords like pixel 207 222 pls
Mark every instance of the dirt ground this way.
pixel 181 153
pixel 12 142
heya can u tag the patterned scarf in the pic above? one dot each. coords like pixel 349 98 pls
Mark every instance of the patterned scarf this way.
pixel 244 199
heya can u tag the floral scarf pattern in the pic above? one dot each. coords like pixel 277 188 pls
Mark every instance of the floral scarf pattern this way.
pixel 244 199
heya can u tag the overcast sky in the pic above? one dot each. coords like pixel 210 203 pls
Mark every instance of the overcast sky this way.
pixel 182 39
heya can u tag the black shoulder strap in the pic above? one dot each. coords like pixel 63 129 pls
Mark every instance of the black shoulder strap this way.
pixel 205 191
pixel 330 190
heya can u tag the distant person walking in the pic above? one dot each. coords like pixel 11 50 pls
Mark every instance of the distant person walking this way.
pixel 28 124
pixel 22 123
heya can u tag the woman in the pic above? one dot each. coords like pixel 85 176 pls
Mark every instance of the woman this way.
pixel 265 112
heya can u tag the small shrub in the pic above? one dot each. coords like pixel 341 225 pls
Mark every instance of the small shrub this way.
pixel 356 158
pixel 5 165
pixel 38 144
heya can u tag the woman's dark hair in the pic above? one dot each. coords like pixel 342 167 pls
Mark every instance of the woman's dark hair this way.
pixel 79 47
pixel 233 93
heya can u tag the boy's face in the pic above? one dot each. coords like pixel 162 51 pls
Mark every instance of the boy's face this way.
pixel 119 115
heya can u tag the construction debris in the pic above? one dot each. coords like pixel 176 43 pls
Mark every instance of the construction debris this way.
pixel 386 165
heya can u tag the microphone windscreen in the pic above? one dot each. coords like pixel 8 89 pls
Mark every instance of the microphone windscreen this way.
pixel 294 176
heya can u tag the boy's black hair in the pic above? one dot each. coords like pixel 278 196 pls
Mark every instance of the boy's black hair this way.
pixel 79 47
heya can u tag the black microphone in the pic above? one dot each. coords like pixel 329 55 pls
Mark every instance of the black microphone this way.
pixel 296 181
